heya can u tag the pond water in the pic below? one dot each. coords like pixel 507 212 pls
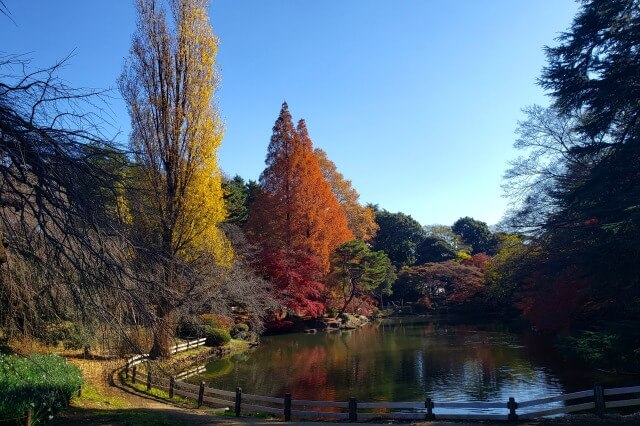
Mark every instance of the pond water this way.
pixel 407 359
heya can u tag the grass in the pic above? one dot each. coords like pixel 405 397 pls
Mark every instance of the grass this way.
pixel 158 393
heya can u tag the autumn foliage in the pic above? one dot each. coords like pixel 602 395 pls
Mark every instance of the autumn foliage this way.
pixel 296 210
pixel 296 277
pixel 360 219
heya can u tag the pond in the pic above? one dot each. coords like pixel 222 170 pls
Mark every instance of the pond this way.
pixel 407 359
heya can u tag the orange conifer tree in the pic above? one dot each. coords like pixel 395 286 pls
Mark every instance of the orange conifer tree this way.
pixel 297 209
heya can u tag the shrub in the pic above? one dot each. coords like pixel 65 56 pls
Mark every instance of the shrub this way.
pixel 216 321
pixel 42 383
pixel 239 329
pixel 217 336
pixel 54 333
pixel 190 328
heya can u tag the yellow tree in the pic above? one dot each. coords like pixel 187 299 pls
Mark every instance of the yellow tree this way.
pixel 360 219
pixel 168 83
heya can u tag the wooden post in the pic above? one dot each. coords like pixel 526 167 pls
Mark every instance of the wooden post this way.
pixel 428 404
pixel 176 347
pixel 598 394
pixel 172 383
pixel 201 395
pixel 149 379
pixel 512 405
pixel 238 401
pixel 27 417
pixel 353 410
pixel 287 407
pixel 133 374
pixel 126 370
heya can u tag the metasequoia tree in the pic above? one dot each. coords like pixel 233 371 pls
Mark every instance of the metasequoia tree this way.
pixel 168 83
pixel 296 209
pixel 360 219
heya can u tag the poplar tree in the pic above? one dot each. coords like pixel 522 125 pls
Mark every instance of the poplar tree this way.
pixel 168 83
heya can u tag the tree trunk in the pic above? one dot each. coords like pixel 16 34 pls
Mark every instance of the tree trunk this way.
pixel 163 332
pixel 346 303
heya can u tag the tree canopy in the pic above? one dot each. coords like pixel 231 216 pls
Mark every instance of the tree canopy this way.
pixel 398 236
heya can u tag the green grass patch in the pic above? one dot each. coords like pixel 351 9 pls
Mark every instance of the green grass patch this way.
pixel 92 397
pixel 42 383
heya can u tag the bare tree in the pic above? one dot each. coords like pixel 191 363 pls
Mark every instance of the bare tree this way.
pixel 61 244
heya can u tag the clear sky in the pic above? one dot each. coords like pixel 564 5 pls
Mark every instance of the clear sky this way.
pixel 415 101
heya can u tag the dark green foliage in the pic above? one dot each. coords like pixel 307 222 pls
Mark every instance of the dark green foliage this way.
pixel 398 236
pixel 476 234
pixel 595 69
pixel 239 328
pixel 357 270
pixel 236 200
pixel 611 345
pixel 190 328
pixel 434 250
pixel 42 383
pixel 216 336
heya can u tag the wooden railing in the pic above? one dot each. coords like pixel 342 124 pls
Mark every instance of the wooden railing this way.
pixel 353 411
pixel 140 358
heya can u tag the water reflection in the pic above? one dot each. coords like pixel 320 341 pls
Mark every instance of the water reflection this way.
pixel 404 360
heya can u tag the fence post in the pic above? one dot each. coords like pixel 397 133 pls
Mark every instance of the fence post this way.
pixel 598 394
pixel 428 404
pixel 353 410
pixel 126 370
pixel 134 370
pixel 172 383
pixel 27 417
pixel 238 401
pixel 512 405
pixel 201 395
pixel 149 380
pixel 287 407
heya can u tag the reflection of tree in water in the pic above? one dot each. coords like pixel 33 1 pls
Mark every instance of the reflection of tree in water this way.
pixel 405 360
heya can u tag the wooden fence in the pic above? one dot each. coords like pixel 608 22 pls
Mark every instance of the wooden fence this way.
pixel 138 359
pixel 598 399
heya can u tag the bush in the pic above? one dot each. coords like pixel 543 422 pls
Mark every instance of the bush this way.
pixel 42 383
pixel 190 328
pixel 54 333
pixel 217 336
pixel 239 329
pixel 216 321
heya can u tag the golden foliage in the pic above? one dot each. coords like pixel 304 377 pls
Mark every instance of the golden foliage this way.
pixel 360 219
pixel 169 83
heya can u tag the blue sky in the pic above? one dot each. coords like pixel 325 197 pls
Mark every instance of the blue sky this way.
pixel 415 101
